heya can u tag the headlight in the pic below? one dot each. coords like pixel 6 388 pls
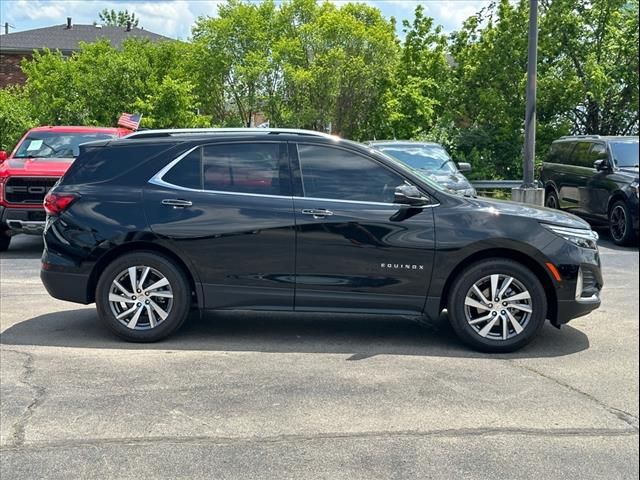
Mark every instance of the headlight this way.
pixel 470 192
pixel 578 236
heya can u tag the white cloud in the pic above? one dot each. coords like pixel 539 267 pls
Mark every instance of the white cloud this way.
pixel 174 18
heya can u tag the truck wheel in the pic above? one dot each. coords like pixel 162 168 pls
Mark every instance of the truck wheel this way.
pixel 497 305
pixel 621 224
pixel 5 238
pixel 143 297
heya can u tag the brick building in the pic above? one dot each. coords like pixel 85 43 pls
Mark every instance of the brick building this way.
pixel 66 38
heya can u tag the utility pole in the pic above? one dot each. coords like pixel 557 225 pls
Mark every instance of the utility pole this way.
pixel 528 192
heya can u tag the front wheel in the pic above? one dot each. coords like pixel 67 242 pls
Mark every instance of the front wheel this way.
pixel 621 224
pixel 497 305
pixel 143 297
pixel 551 200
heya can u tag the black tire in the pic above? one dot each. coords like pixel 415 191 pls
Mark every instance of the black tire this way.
pixel 621 225
pixel 160 266
pixel 551 200
pixel 5 238
pixel 480 272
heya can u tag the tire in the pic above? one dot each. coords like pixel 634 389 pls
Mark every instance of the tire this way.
pixel 488 334
pixel 551 200
pixel 5 238
pixel 621 225
pixel 171 295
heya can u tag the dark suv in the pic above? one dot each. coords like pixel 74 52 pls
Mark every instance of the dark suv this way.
pixel 150 226
pixel 596 178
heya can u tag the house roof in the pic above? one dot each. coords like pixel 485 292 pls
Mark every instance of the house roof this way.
pixel 67 40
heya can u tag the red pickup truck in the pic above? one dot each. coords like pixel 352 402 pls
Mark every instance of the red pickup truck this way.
pixel 41 157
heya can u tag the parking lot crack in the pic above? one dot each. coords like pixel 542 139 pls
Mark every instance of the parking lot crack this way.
pixel 626 417
pixel 39 393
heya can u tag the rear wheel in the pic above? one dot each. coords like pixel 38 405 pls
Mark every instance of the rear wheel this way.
pixel 621 224
pixel 551 200
pixel 5 238
pixel 497 305
pixel 143 297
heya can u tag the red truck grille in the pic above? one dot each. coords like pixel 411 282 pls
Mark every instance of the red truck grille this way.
pixel 29 190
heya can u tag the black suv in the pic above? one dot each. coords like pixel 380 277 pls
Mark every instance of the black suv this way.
pixel 596 178
pixel 151 226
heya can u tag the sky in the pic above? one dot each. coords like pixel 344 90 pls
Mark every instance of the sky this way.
pixel 174 18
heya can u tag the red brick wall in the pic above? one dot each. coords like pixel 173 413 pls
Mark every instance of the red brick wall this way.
pixel 10 72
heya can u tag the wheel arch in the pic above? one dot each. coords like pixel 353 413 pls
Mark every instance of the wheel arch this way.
pixel 137 246
pixel 618 195
pixel 538 270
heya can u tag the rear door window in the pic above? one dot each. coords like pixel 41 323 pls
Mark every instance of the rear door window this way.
pixel 243 168
pixel 187 173
pixel 581 157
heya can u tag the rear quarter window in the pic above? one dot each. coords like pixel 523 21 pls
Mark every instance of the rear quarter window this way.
pixel 99 164
pixel 560 152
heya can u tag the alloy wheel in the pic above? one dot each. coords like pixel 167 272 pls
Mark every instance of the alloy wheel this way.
pixel 498 307
pixel 618 222
pixel 140 297
pixel 551 202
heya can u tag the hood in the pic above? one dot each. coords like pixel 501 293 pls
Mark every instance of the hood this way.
pixel 454 181
pixel 541 214
pixel 633 171
pixel 54 167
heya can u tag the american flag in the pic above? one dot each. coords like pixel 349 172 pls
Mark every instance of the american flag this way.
pixel 130 120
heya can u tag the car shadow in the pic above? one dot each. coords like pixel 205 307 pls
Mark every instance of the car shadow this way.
pixel 358 336
pixel 24 247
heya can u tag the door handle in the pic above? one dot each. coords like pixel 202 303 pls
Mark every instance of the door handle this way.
pixel 177 202
pixel 317 212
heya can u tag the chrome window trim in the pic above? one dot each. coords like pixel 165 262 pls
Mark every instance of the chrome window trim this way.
pixel 158 180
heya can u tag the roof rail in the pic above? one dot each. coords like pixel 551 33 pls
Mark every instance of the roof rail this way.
pixel 579 136
pixel 178 132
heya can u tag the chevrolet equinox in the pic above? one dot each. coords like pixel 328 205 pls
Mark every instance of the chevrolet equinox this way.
pixel 163 221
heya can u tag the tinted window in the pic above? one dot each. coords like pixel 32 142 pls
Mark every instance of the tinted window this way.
pixel 581 156
pixel 243 168
pixel 104 163
pixel 187 172
pixel 560 152
pixel 56 144
pixel 598 152
pixel 338 174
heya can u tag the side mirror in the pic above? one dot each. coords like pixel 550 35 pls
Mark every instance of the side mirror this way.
pixel 3 156
pixel 409 195
pixel 464 167
pixel 601 165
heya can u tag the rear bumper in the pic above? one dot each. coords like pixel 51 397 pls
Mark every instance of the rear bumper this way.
pixel 23 220
pixel 71 287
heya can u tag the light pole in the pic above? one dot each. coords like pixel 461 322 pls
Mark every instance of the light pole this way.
pixel 528 192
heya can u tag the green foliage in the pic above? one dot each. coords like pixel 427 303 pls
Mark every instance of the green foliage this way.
pixel 17 115
pixel 121 18
pixel 94 86
pixel 321 65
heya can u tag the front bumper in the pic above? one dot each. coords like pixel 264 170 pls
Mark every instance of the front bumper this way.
pixel 578 292
pixel 23 220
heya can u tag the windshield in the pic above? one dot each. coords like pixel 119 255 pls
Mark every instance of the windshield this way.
pixel 430 158
pixel 56 144
pixel 625 154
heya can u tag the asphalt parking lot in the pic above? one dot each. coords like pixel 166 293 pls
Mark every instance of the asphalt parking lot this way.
pixel 245 396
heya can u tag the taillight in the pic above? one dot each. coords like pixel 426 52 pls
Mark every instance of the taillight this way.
pixel 56 203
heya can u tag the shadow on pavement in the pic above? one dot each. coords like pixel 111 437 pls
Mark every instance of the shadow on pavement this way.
pixel 361 337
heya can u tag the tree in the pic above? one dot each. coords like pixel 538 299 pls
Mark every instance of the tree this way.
pixel 121 18
pixel 17 115
pixel 95 85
